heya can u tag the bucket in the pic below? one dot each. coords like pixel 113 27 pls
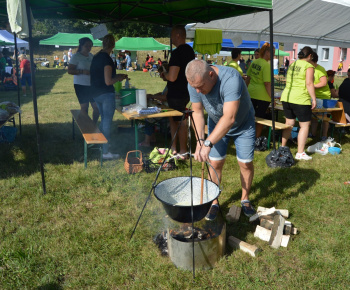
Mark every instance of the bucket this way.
pixel 329 103
pixel 128 96
pixel 141 98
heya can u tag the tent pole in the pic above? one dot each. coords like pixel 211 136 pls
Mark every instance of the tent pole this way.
pixel 272 79
pixel 18 90
pixel 35 105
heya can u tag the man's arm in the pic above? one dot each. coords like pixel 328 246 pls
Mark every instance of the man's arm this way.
pixel 172 74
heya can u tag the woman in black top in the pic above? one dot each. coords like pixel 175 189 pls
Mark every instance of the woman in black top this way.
pixel 103 77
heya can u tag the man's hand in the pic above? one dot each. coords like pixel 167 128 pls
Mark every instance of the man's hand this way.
pixel 202 153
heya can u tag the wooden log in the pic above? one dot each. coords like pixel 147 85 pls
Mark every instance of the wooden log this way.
pixel 245 247
pixel 259 214
pixel 287 229
pixel 282 212
pixel 294 231
pixel 262 233
pixel 265 235
pixel 277 232
pixel 233 214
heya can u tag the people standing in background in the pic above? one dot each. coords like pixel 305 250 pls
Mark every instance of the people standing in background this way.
pixel 322 92
pixel 299 99
pixel 113 57
pixel 127 60
pixel 344 95
pixel 236 56
pixel 178 95
pixel 65 60
pixel 340 68
pixel 286 65
pixel 259 85
pixel 275 66
pixel 79 66
pixel 70 54
pixel 242 65
pixel 25 74
pixel 334 91
pixel 257 53
pixel 2 66
pixel 103 77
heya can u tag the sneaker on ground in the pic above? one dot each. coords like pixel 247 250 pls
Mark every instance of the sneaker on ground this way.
pixel 212 213
pixel 302 156
pixel 110 155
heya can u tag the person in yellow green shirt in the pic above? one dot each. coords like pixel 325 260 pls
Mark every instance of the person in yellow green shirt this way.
pixel 322 91
pixel 236 56
pixel 259 85
pixel 299 98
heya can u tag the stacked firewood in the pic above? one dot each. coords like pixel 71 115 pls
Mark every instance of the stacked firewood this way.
pixel 273 228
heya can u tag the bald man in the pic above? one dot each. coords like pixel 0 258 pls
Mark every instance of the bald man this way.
pixel 178 96
pixel 221 91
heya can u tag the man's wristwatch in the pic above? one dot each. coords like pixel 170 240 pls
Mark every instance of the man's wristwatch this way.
pixel 207 143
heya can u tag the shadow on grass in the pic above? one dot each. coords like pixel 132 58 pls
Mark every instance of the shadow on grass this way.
pixel 50 286
pixel 281 184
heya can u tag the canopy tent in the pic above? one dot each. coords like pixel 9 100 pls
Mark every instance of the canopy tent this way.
pixel 155 11
pixel 318 22
pixel 277 53
pixel 68 39
pixel 8 37
pixel 139 43
pixel 150 11
pixel 246 45
pixel 3 43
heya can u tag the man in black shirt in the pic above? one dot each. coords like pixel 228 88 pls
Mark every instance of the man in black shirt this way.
pixel 178 95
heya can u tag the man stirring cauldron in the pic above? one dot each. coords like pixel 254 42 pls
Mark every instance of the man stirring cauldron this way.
pixel 221 91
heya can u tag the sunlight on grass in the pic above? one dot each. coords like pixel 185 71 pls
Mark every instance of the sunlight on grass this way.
pixel 77 235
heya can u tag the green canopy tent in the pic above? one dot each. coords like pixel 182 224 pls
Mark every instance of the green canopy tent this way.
pixel 4 43
pixel 68 39
pixel 159 12
pixel 139 43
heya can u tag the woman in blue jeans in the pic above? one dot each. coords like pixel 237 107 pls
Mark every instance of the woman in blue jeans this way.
pixel 103 77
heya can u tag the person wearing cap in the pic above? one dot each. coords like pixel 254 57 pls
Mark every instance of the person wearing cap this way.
pixel 344 95
pixel 299 98
pixel 322 92
pixel 331 74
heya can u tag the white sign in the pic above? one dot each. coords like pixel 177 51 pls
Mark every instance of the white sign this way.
pixel 99 31
pixel 57 46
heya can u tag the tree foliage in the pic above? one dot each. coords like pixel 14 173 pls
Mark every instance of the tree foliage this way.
pixel 53 26
pixel 132 29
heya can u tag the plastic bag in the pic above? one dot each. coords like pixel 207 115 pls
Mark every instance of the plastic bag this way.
pixel 261 144
pixel 282 157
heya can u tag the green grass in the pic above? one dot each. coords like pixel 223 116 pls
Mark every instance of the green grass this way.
pixel 77 235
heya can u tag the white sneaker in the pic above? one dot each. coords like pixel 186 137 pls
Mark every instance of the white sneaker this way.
pixel 110 155
pixel 302 156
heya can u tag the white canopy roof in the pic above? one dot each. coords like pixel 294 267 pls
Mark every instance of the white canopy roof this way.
pixel 7 36
pixel 317 22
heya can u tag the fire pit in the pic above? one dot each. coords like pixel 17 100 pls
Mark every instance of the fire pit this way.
pixel 208 245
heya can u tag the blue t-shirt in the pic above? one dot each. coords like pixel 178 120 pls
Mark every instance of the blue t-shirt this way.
pixel 230 86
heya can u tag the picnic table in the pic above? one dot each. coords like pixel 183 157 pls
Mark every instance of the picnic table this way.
pixel 164 113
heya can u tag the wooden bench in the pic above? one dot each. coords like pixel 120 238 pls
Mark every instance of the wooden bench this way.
pixel 265 122
pixel 338 121
pixel 91 134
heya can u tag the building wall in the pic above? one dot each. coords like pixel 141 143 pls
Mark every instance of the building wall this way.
pixel 335 54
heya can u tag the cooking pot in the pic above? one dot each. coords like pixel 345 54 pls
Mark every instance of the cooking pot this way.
pixel 175 196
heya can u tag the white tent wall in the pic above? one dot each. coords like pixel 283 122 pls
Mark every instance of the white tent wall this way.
pixel 313 22
pixel 7 36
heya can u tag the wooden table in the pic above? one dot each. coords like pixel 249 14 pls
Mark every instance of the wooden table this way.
pixel 165 113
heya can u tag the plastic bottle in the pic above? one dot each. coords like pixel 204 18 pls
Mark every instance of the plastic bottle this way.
pixel 127 85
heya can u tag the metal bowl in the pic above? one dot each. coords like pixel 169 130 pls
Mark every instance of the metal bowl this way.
pixel 175 196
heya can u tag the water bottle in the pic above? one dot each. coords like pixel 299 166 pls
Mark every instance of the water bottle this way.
pixel 127 85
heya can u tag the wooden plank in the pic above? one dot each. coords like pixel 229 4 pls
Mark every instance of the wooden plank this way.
pixel 269 212
pixel 88 128
pixel 233 214
pixel 245 247
pixel 277 232
pixel 339 116
pixel 262 233
pixel 166 112
pixel 278 125
pixel 282 212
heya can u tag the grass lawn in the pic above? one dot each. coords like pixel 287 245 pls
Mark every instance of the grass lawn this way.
pixel 77 235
